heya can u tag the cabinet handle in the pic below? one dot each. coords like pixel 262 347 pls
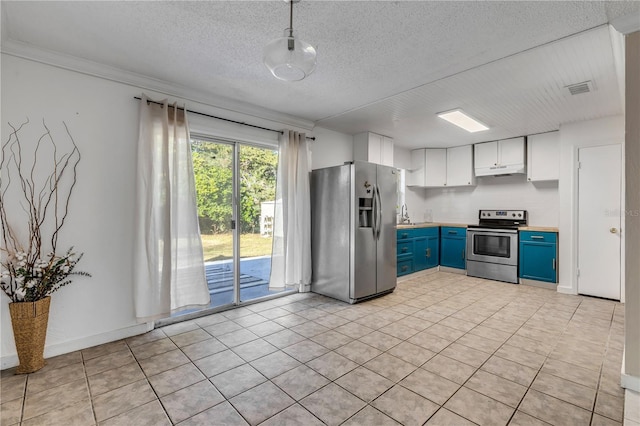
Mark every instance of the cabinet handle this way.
pixel 462 254
pixel 405 235
pixel 404 249
pixel 429 252
pixel 404 268
pixel 553 264
pixel 537 237
pixel 453 232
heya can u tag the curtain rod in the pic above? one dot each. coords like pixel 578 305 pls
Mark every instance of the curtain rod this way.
pixel 224 119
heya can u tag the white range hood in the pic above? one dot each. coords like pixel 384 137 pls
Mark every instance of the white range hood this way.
pixel 504 157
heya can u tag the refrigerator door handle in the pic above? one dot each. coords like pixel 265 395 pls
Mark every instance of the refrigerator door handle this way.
pixel 374 214
pixel 379 211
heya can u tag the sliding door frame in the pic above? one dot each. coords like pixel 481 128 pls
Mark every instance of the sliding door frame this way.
pixel 237 302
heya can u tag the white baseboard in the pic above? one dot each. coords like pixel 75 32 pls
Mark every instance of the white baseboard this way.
pixel 8 361
pixel 630 382
pixel 566 290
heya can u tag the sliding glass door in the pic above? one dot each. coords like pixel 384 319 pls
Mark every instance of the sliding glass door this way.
pixel 214 170
pixel 257 171
pixel 236 186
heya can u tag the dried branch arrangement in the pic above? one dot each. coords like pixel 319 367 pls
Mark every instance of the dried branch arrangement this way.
pixel 42 187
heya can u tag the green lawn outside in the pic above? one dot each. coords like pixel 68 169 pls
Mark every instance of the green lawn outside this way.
pixel 220 246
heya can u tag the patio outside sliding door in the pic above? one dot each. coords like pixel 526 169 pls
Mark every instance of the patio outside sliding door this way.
pixel 258 168
pixel 235 186
pixel 214 169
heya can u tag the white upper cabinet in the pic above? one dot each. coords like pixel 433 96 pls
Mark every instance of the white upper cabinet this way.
pixel 543 157
pixel 373 148
pixel 511 152
pixel 500 157
pixel 415 176
pixel 435 167
pixel 486 155
pixel 460 166
pixel 440 167
pixel 428 167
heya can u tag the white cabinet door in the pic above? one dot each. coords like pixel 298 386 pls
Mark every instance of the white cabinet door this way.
pixel 415 176
pixel 386 151
pixel 486 155
pixel 375 146
pixel 436 167
pixel 460 166
pixel 543 154
pixel 511 151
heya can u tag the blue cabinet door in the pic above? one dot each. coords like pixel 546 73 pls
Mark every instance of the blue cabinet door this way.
pixel 420 254
pixel 433 252
pixel 405 265
pixel 452 252
pixel 453 242
pixel 538 261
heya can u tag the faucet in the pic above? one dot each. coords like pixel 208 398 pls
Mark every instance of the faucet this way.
pixel 404 214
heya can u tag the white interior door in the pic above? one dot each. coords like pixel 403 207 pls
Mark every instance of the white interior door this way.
pixel 599 242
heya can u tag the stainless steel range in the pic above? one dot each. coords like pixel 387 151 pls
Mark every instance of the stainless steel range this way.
pixel 492 245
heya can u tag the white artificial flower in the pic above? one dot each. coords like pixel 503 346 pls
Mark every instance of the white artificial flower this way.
pixel 20 293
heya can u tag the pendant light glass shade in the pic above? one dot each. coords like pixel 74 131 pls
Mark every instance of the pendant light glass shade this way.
pixel 289 58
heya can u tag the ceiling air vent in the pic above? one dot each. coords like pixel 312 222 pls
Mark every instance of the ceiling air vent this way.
pixel 578 88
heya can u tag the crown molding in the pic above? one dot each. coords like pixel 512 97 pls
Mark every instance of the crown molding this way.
pixel 626 24
pixel 107 72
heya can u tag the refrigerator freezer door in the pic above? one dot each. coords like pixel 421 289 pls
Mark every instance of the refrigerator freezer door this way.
pixel 331 207
pixel 364 254
pixel 386 250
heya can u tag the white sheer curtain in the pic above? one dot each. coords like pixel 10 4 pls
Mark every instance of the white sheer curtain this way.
pixel 291 256
pixel 168 260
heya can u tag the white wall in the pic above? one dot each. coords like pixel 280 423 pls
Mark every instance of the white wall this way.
pixel 414 197
pixel 461 204
pixel 604 131
pixel 103 118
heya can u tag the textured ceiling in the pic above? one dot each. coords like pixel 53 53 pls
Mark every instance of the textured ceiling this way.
pixel 367 52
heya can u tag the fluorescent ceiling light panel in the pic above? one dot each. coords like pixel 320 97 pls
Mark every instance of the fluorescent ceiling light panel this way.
pixel 463 120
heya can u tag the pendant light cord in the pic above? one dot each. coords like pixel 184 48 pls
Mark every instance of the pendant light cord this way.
pixel 290 18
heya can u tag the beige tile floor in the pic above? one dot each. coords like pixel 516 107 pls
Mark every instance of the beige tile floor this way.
pixel 443 349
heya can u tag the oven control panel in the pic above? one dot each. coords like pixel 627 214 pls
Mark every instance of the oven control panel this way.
pixel 503 214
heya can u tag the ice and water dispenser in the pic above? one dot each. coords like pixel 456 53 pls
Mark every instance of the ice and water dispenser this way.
pixel 365 208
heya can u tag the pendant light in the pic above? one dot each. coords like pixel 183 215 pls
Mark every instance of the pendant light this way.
pixel 289 58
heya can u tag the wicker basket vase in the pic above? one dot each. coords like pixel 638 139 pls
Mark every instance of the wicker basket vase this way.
pixel 29 321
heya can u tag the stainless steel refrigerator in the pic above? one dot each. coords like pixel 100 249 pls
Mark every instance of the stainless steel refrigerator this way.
pixel 353 234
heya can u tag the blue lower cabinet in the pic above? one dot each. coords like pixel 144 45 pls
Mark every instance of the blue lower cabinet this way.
pixel 538 256
pixel 417 249
pixel 432 252
pixel 420 254
pixel 453 243
pixel 405 266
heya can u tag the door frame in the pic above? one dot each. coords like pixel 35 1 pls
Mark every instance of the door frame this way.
pixel 575 213
pixel 235 143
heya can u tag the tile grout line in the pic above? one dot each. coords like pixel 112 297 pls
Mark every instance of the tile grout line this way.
pixel 481 303
pixel 86 378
